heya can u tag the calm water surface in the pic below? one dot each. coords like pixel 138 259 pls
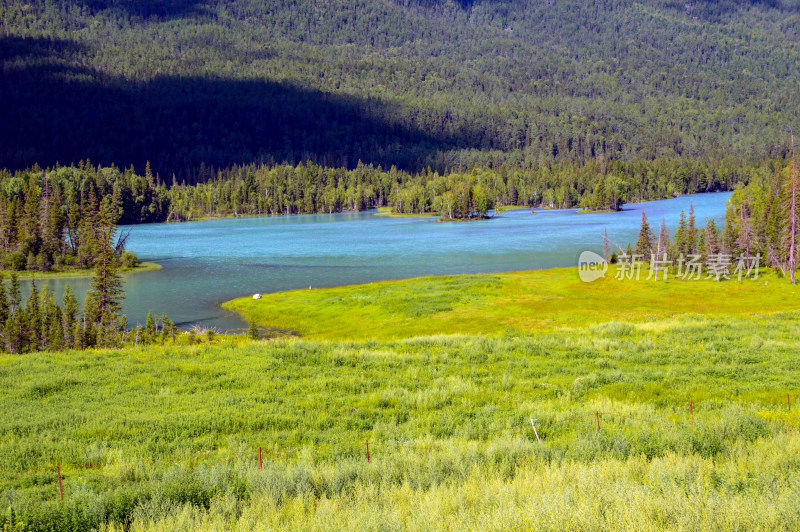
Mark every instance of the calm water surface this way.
pixel 208 262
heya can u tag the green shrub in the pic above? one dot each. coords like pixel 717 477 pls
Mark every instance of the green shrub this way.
pixel 129 259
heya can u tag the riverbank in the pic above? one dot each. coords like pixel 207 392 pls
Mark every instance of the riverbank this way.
pixel 141 267
pixel 536 300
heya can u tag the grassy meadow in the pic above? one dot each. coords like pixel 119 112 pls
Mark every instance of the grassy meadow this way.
pixel 538 300
pixel 166 438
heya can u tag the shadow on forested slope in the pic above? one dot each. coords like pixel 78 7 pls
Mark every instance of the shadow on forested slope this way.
pixel 146 9
pixel 56 110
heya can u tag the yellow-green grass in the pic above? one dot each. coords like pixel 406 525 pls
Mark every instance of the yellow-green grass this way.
pixel 736 493
pixel 492 303
pixel 502 208
pixel 141 267
pixel 387 211
pixel 166 437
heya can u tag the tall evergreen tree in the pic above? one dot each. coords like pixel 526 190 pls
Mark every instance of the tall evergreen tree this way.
pixel 104 299
pixel 33 319
pixel 680 242
pixel 644 245
pixel 69 317
pixel 663 238
pixel 691 231
pixel 3 301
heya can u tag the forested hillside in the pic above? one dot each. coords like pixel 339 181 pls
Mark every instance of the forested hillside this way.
pixel 194 86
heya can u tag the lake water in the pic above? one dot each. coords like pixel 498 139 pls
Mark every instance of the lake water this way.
pixel 208 262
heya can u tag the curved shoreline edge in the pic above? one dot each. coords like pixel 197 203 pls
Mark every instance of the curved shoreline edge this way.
pixel 77 274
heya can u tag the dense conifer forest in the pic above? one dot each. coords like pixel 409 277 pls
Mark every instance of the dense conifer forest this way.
pixel 48 216
pixel 197 86
pixel 190 108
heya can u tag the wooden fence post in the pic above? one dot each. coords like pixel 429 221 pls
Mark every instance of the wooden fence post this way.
pixel 259 458
pixel 367 444
pixel 598 420
pixel 60 487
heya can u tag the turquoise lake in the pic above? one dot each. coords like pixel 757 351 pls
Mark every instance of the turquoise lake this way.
pixel 208 262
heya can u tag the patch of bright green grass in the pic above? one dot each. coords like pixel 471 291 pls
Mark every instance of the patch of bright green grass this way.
pixel 492 303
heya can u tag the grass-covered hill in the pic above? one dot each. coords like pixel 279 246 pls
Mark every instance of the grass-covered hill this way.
pixel 195 84
pixel 696 431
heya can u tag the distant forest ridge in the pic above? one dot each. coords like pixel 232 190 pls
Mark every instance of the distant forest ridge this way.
pixel 195 87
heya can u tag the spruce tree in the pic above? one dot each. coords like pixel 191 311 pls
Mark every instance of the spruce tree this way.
pixel 149 328
pixel 644 245
pixel 252 331
pixel 73 224
pixel 13 333
pixel 680 244
pixel 104 299
pixel 69 317
pixel 15 301
pixel 167 329
pixel 79 336
pixel 33 319
pixel 663 238
pixel 89 227
pixel 3 301
pixel 691 231
pixel 55 334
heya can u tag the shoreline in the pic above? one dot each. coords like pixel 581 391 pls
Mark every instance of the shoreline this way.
pixel 77 274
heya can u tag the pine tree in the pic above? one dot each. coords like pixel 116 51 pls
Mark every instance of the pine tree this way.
pixel 15 296
pixel 32 319
pixel 13 333
pixel 55 340
pixel 88 229
pixel 79 336
pixel 73 221
pixel 69 317
pixel 691 231
pixel 644 245
pixel 745 231
pixel 663 238
pixel 680 242
pixel 3 300
pixel 47 312
pixel 167 329
pixel 104 299
pixel 730 233
pixel 252 331
pixel 149 328
pixel 709 239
